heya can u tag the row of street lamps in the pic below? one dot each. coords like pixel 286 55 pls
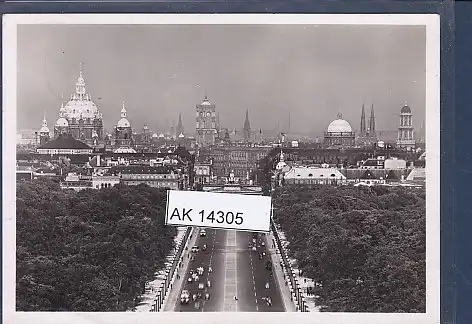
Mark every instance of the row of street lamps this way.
pixel 293 283
pixel 170 270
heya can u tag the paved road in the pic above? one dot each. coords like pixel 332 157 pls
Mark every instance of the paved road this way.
pixel 237 272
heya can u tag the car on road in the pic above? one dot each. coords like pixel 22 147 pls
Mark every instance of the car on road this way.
pixel 204 247
pixel 195 249
pixel 268 265
pixel 201 286
pixel 203 233
pixel 190 279
pixel 184 297
pixel 200 270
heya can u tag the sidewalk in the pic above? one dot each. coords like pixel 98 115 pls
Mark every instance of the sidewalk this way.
pixel 289 305
pixel 152 287
pixel 303 281
pixel 179 276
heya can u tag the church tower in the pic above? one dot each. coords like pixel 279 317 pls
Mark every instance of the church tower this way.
pixel 180 127
pixel 362 130
pixel 405 138
pixel 44 132
pixel 123 131
pixel 372 132
pixel 247 128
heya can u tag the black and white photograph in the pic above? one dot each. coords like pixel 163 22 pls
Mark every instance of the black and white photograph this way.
pixel 330 121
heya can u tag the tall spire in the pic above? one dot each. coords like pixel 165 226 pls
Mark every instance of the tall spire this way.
pixel 45 123
pixel 80 85
pixel 363 121
pixel 372 121
pixel 180 127
pixel 247 127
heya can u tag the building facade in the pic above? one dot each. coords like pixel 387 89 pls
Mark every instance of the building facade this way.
pixel 160 177
pixel 203 171
pixel 207 124
pixel 241 160
pixel 313 176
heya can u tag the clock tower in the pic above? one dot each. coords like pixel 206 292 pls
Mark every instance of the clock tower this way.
pixel 207 126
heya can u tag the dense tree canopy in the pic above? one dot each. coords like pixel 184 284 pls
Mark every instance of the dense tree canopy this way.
pixel 88 251
pixel 365 246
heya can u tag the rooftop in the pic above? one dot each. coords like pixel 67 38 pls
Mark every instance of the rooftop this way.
pixel 65 142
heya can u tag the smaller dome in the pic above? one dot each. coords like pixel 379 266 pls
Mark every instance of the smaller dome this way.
pixel 154 135
pixel 339 126
pixel 206 102
pixel 62 122
pixel 181 135
pixel 161 135
pixel 44 129
pixel 406 110
pixel 280 165
pixel 123 122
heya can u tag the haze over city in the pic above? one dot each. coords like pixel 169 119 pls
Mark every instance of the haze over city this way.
pixel 312 71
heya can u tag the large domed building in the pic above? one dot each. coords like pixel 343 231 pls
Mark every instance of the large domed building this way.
pixel 339 133
pixel 80 117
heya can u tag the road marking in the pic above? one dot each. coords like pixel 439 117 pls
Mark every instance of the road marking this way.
pixel 253 279
pixel 224 283
pixel 231 279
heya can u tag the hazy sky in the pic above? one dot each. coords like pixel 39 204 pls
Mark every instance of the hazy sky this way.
pixel 160 70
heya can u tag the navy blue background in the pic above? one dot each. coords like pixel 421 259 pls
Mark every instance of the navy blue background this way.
pixel 463 167
pixel 456 156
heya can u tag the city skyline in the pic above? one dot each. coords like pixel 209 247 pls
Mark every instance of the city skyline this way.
pixel 379 65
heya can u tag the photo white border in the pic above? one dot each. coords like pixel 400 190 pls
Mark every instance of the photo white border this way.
pixel 431 21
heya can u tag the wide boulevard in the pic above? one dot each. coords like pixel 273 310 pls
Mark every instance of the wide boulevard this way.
pixel 238 281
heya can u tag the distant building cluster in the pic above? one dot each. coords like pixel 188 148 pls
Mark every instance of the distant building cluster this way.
pixel 379 170
pixel 215 158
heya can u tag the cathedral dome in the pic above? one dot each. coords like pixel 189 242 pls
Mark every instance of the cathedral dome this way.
pixel 181 135
pixel 406 109
pixel 154 135
pixel 62 122
pixel 339 126
pixel 80 104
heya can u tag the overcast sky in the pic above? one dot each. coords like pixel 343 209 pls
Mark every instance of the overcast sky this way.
pixel 160 70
